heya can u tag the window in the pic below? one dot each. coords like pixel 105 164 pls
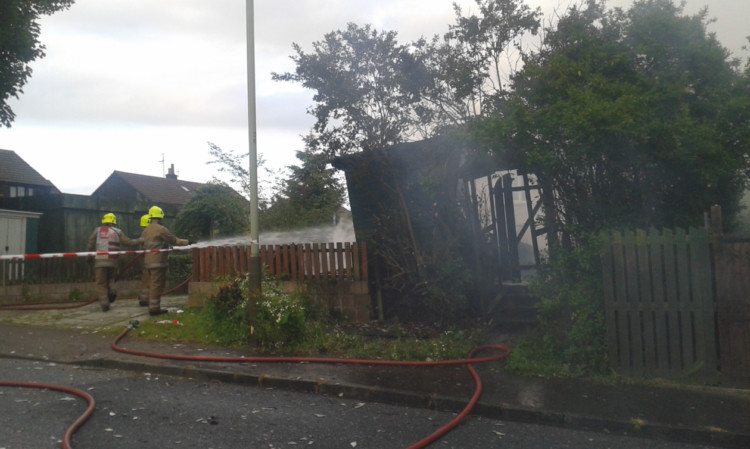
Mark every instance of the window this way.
pixel 19 191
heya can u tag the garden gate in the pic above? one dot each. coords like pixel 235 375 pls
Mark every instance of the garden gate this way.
pixel 659 302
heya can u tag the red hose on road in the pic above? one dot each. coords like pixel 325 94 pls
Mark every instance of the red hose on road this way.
pixel 79 422
pixel 421 444
pixel 48 305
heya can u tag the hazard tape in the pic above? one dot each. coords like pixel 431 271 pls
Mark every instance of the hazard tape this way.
pixel 89 253
pixel 143 251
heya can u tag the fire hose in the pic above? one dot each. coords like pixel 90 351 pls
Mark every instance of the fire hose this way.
pixel 504 352
pixel 78 422
pixel 469 362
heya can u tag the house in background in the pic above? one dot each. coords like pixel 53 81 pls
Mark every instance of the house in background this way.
pixel 19 230
pixel 167 191
pixel 65 221
pixel 19 179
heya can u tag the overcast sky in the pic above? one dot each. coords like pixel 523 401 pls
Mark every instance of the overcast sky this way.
pixel 127 84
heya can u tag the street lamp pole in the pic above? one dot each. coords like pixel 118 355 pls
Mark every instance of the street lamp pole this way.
pixel 254 262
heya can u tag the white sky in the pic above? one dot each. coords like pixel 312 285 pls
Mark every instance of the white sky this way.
pixel 127 81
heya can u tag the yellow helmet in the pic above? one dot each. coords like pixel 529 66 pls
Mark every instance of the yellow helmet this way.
pixel 155 212
pixel 109 218
pixel 145 220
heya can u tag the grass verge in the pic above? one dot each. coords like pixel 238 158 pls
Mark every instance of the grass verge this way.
pixel 318 338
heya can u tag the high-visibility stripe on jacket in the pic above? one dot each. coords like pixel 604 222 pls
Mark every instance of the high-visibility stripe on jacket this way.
pixel 107 239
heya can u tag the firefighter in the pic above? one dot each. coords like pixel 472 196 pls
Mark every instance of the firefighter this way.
pixel 143 293
pixel 107 238
pixel 157 237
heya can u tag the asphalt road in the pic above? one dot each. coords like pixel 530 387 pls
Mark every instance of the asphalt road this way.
pixel 146 411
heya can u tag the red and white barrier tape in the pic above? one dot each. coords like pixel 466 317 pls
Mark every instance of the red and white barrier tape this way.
pixel 207 244
pixel 87 254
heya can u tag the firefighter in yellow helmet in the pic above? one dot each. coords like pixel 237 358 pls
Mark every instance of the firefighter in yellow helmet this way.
pixel 143 292
pixel 156 237
pixel 105 239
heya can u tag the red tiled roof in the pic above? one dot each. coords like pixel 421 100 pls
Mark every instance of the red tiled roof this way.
pixel 15 170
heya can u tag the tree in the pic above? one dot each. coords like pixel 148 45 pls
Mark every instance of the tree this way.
pixel 470 68
pixel 623 118
pixel 372 93
pixel 309 196
pixel 628 119
pixel 363 101
pixel 215 210
pixel 19 46
pixel 236 165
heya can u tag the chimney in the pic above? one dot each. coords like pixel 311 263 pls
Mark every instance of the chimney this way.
pixel 171 174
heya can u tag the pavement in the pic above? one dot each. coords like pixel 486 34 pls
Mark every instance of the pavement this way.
pixel 705 415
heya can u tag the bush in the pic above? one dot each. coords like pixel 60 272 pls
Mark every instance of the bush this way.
pixel 277 319
pixel 228 315
pixel 290 322
pixel 180 267
pixel 571 340
pixel 281 318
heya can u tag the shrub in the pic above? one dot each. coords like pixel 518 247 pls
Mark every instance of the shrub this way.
pixel 227 313
pixel 571 340
pixel 281 318
pixel 277 318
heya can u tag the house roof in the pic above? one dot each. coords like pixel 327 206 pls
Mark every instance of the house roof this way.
pixel 15 170
pixel 157 190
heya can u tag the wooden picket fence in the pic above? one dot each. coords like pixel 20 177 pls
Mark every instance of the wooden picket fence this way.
pixel 341 261
pixel 659 303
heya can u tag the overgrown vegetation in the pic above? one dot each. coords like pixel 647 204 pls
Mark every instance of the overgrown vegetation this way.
pixel 180 267
pixel 214 210
pixel 571 337
pixel 290 324
pixel 309 195
pixel 622 116
pixel 626 117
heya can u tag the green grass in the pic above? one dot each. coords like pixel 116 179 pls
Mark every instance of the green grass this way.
pixel 193 327
pixel 318 339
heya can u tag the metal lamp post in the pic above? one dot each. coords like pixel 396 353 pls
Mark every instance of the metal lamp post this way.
pixel 254 262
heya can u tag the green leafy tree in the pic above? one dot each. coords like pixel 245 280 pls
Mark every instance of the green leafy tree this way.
pixel 363 101
pixel 470 68
pixel 215 210
pixel 627 118
pixel 309 196
pixel 19 46
pixel 372 93
pixel 623 118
